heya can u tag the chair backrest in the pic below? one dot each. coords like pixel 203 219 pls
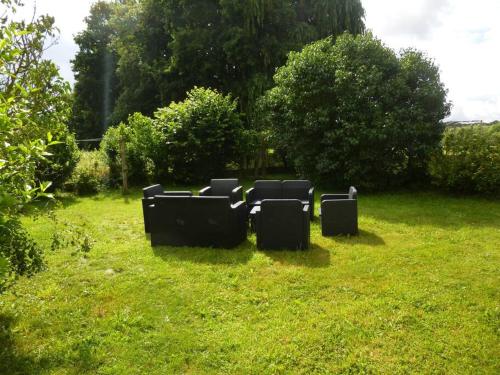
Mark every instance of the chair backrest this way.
pixel 211 211
pixel 268 189
pixel 282 214
pixel 152 190
pixel 281 223
pixel 170 211
pixel 177 193
pixel 296 189
pixel 223 186
pixel 353 193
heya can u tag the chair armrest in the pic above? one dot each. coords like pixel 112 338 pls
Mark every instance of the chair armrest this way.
pixel 311 193
pixel 256 211
pixel 306 219
pixel 311 201
pixel 206 191
pixel 237 194
pixel 238 205
pixel 250 194
pixel 334 196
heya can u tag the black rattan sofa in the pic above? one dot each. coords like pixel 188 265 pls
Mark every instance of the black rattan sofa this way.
pixel 148 201
pixel 198 221
pixel 339 213
pixel 276 189
pixel 282 224
pixel 224 187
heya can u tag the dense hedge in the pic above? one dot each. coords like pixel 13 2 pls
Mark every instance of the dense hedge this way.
pixel 351 111
pixel 469 160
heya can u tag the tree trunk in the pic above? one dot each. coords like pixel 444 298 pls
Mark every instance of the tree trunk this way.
pixel 123 157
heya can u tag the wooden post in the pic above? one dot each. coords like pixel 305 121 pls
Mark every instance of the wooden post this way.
pixel 123 156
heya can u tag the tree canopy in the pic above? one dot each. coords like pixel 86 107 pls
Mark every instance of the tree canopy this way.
pixel 164 48
pixel 354 112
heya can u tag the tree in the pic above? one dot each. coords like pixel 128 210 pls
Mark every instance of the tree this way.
pixel 35 144
pixel 201 134
pixel 49 105
pixel 95 74
pixel 22 104
pixel 353 112
pixel 166 47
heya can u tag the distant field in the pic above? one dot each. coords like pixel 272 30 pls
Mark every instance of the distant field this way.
pixel 418 291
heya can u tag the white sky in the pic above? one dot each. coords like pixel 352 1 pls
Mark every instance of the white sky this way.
pixel 462 36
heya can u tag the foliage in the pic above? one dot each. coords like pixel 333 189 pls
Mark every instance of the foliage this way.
pixel 353 113
pixel 32 104
pixel 202 134
pixel 469 160
pixel 146 159
pixel 22 253
pixel 415 293
pixel 95 78
pixel 91 174
pixel 163 48
pixel 43 94
pixel 72 236
pixel 4 272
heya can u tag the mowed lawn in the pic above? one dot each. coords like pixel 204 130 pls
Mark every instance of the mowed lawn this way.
pixel 418 291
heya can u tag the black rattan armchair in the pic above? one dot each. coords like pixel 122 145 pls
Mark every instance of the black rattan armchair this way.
pixel 149 194
pixel 282 224
pixel 226 187
pixel 339 213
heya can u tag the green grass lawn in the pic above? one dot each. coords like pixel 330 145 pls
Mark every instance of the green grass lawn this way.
pixel 418 291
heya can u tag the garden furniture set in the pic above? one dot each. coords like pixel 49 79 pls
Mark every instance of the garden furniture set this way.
pixel 279 212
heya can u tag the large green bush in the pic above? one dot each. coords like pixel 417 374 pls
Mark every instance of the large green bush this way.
pixel 469 160
pixel 202 134
pixel 25 101
pixel 63 159
pixel 91 174
pixel 143 144
pixel 351 111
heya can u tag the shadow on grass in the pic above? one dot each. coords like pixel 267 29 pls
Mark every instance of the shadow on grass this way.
pixel 315 257
pixel 238 255
pixel 13 361
pixel 364 238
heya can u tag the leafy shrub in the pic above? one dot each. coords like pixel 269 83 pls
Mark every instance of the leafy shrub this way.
pixel 91 174
pixel 353 112
pixel 59 167
pixel 201 134
pixel 469 160
pixel 4 272
pixel 145 156
pixel 20 254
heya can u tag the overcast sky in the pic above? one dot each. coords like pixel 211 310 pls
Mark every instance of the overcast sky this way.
pixel 462 36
